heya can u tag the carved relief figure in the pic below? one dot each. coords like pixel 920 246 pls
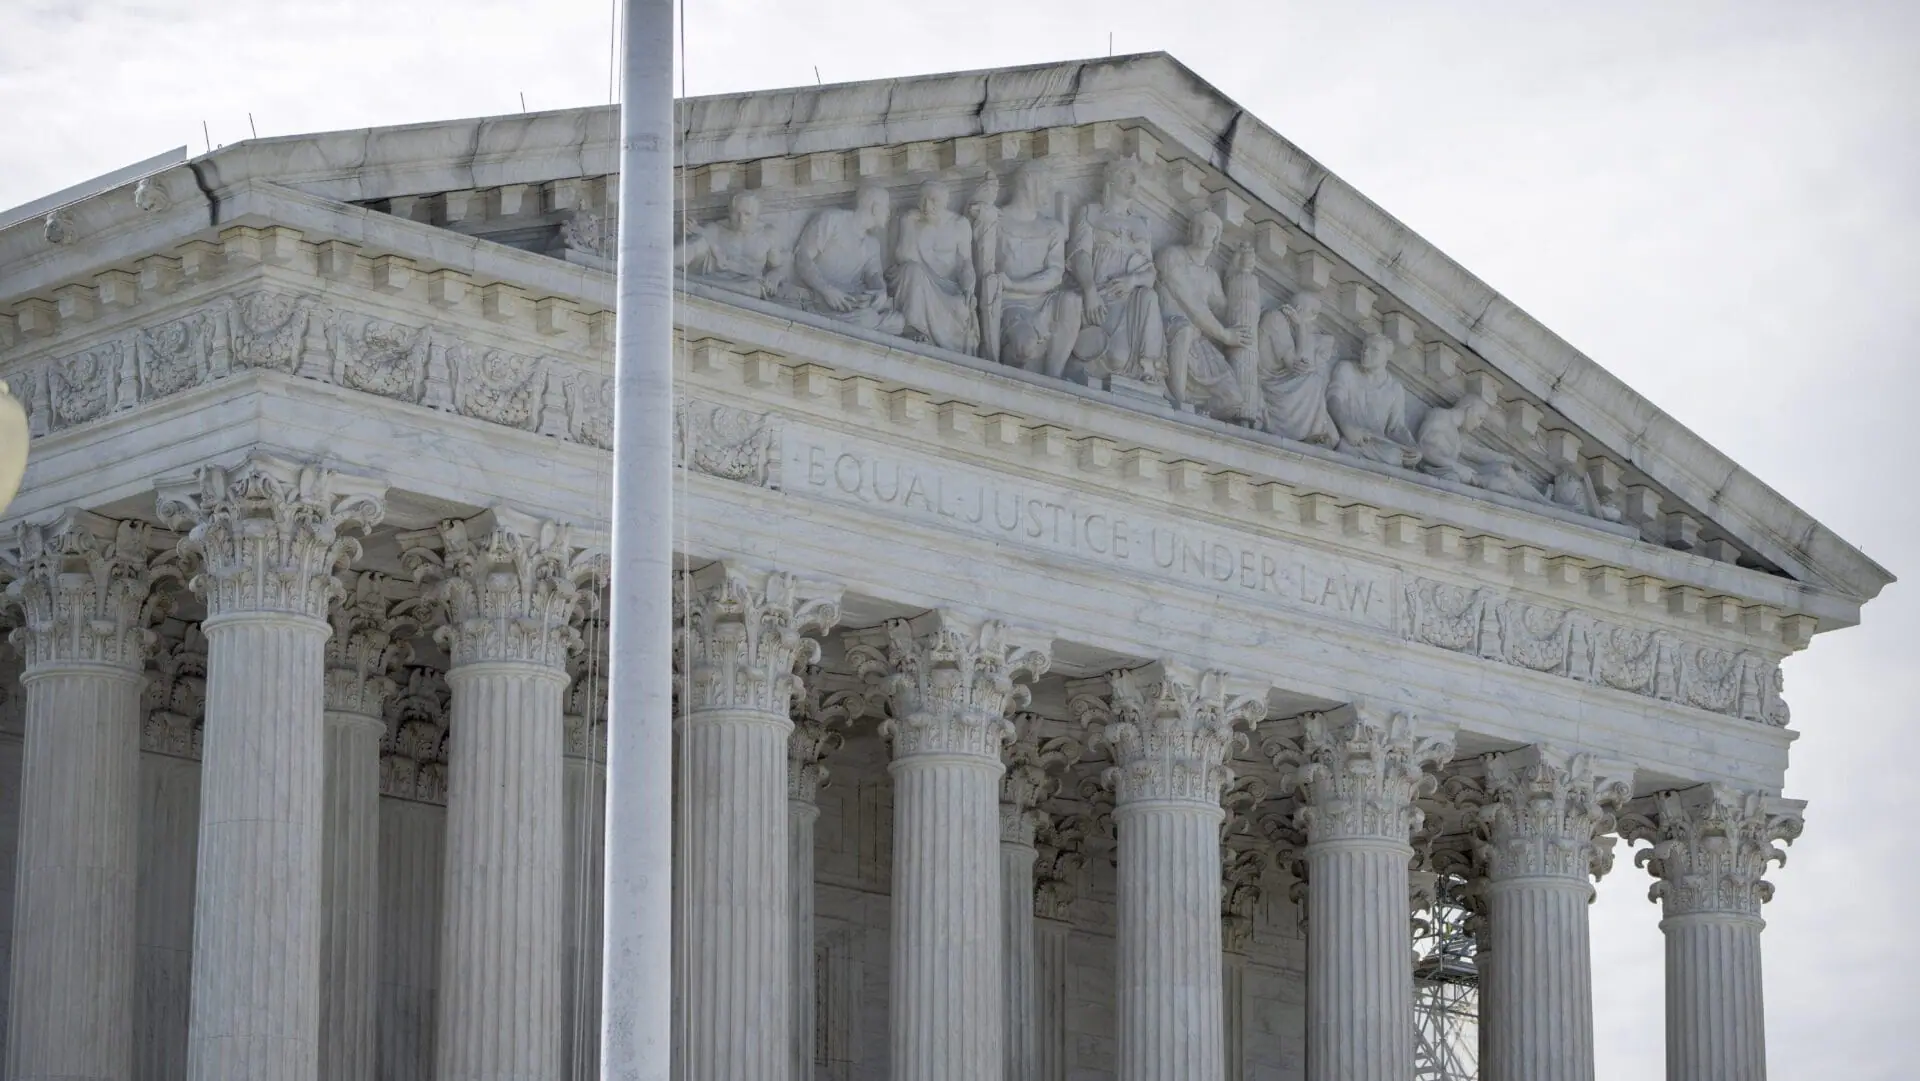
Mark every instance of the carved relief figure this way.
pixel 738 254
pixel 1111 255
pixel 1029 317
pixel 1195 301
pixel 838 260
pixel 932 274
pixel 1369 407
pixel 1575 490
pixel 1296 362
pixel 1445 451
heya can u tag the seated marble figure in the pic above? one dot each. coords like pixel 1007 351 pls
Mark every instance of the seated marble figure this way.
pixel 1445 451
pixel 1110 253
pixel 1369 407
pixel 932 274
pixel 1296 363
pixel 1194 300
pixel 841 266
pixel 740 253
pixel 1030 316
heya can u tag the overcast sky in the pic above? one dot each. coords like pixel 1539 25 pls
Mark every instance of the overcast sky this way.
pixel 1719 205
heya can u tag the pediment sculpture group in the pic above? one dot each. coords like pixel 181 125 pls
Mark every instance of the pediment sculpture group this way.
pixel 1093 302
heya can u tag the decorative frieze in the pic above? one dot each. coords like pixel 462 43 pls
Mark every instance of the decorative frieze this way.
pixel 728 443
pixel 497 385
pixel 268 330
pixel 1170 729
pixel 508 585
pixel 949 680
pixel 379 357
pixel 740 632
pixel 266 535
pixel 1711 847
pixel 1580 645
pixel 83 588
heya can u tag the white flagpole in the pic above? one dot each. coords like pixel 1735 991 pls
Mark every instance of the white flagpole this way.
pixel 637 1000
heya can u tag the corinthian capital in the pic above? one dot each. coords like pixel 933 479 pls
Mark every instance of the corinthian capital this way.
pixel 949 681
pixel 1711 847
pixel 1060 857
pixel 1242 888
pixel 1033 776
pixel 267 534
pixel 1548 813
pixel 1358 772
pixel 1170 729
pixel 820 716
pixel 84 591
pixel 585 714
pixel 740 632
pixel 507 584
pixel 370 632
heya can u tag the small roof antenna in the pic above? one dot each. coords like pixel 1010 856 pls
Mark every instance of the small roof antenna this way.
pixel 1109 43
pixel 204 134
pixel 523 101
pixel 251 128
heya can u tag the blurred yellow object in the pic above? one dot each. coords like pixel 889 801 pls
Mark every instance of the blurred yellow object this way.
pixel 13 445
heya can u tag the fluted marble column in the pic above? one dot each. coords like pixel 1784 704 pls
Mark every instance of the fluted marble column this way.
pixel 1059 842
pixel 1031 778
pixel 949 682
pixel 1545 822
pixel 583 877
pixel 1170 731
pixel 1241 891
pixel 83 591
pixel 363 646
pixel 818 715
pixel 268 536
pixel 743 631
pixel 1711 848
pixel 1358 771
pixel 508 586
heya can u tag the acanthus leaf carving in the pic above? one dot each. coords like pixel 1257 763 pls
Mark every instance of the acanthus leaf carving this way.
pixel 949 681
pixel 1360 772
pixel 1034 767
pixel 507 585
pixel 413 755
pixel 83 585
pixel 1711 847
pixel 268 534
pixel 1060 861
pixel 370 637
pixel 1549 813
pixel 821 717
pixel 1170 729
pixel 739 634
pixel 176 695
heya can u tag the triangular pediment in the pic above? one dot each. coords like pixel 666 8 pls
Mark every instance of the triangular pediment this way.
pixel 1224 227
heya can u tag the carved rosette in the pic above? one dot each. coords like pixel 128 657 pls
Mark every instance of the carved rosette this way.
pixel 1359 772
pixel 1060 857
pixel 1032 777
pixel 949 681
pixel 820 716
pixel 1548 814
pixel 176 696
pixel 84 591
pixel 508 586
pixel 413 756
pixel 1241 891
pixel 369 638
pixel 1170 729
pixel 739 633
pixel 266 535
pixel 1711 847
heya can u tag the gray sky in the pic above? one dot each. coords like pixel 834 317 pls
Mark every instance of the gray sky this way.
pixel 1717 204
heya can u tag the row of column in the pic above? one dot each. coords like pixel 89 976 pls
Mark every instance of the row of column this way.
pixel 286 857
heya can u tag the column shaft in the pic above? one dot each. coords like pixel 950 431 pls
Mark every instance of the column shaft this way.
pixel 1716 1019
pixel 583 909
pixel 350 896
pixel 946 977
pixel 1168 911
pixel 1540 1020
pixel 1050 967
pixel 1359 968
pixel 1233 994
pixel 801 816
pixel 1016 892
pixel 256 939
pixel 499 994
pixel 73 918
pixel 737 939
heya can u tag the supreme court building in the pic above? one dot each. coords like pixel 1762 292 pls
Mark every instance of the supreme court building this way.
pixel 1130 582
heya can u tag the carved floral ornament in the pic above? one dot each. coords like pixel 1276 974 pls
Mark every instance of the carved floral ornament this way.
pixel 82 587
pixel 507 585
pixel 1033 776
pixel 949 680
pixel 1360 771
pixel 1711 847
pixel 739 634
pixel 1169 729
pixel 821 718
pixel 1097 286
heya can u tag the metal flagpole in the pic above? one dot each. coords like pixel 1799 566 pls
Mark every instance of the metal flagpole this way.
pixel 637 999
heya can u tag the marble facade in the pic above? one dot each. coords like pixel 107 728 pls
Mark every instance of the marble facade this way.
pixel 1117 558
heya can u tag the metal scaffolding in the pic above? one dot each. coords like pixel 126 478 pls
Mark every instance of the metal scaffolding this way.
pixel 1446 989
